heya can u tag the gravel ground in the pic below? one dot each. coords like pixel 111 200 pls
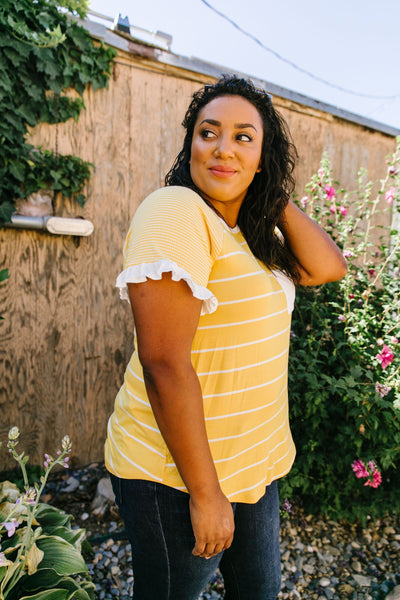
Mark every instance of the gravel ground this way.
pixel 321 559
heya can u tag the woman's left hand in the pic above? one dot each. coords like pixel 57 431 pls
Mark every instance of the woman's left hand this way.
pixel 320 259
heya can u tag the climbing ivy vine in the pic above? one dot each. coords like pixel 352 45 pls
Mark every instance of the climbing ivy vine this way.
pixel 43 53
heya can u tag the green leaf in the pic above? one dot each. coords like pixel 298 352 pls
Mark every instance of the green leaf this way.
pixel 6 210
pixel 72 536
pixel 17 169
pixel 4 274
pixel 44 578
pixel 27 113
pixel 49 516
pixel 56 594
pixel 3 571
pixel 60 556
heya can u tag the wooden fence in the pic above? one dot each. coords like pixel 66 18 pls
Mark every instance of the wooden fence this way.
pixel 66 337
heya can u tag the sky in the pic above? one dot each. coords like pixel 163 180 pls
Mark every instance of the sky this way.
pixel 351 44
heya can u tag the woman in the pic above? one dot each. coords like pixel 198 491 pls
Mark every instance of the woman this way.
pixel 200 433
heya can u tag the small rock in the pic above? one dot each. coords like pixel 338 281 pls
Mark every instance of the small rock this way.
pixel 72 485
pixel 289 585
pixel 104 497
pixel 310 569
pixel 324 582
pixel 84 516
pixel 346 590
pixel 299 546
pixel 356 566
pixel 362 581
pixel 394 594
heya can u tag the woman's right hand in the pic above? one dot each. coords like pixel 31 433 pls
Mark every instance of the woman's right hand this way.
pixel 213 524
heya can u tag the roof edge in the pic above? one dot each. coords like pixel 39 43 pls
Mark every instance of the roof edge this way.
pixel 197 65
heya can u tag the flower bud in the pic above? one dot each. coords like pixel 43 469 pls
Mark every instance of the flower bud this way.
pixel 66 443
pixel 13 434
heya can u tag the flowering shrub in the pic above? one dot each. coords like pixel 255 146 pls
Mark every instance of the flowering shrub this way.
pixel 344 377
pixel 40 557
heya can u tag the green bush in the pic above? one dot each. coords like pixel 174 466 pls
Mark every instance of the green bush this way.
pixel 344 373
pixel 43 53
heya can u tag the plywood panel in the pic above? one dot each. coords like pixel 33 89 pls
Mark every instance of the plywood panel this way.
pixel 66 336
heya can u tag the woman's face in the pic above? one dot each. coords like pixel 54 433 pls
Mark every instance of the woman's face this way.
pixel 226 152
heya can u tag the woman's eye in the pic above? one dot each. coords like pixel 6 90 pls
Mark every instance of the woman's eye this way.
pixel 244 137
pixel 207 134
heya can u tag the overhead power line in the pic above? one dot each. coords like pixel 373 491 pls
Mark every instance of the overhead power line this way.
pixel 291 63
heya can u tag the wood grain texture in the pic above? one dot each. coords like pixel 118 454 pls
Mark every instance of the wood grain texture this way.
pixel 66 337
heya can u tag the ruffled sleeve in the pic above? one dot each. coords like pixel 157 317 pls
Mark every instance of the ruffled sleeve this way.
pixel 173 231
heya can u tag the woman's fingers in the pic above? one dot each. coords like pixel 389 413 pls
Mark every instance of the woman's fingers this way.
pixel 213 525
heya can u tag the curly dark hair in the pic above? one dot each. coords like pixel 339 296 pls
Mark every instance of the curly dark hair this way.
pixel 270 190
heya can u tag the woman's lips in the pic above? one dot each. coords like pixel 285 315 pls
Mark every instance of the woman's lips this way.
pixel 222 172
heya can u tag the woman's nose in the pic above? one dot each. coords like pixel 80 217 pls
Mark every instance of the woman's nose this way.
pixel 224 147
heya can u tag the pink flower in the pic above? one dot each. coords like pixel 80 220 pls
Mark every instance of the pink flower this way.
pixel 361 472
pixel 381 389
pixel 385 357
pixel 11 527
pixel 333 208
pixel 359 469
pixel 343 210
pixel 48 460
pixel 30 496
pixel 371 271
pixel 348 253
pixel 394 340
pixel 376 479
pixel 389 196
pixel 320 173
pixel 304 201
pixel 330 192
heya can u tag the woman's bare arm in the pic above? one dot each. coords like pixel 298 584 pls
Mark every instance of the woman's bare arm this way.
pixel 320 259
pixel 166 317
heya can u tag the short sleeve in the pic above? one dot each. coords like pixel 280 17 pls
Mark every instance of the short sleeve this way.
pixel 173 230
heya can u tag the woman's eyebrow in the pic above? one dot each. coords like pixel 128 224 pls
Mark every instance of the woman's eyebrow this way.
pixel 236 125
pixel 244 126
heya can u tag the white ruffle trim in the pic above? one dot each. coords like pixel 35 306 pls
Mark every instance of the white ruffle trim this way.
pixel 144 271
pixel 288 287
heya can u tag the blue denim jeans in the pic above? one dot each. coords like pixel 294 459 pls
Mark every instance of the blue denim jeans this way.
pixel 157 523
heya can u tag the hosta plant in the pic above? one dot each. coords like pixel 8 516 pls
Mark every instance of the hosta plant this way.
pixel 40 554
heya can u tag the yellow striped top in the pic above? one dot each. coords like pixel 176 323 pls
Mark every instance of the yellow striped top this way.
pixel 239 352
